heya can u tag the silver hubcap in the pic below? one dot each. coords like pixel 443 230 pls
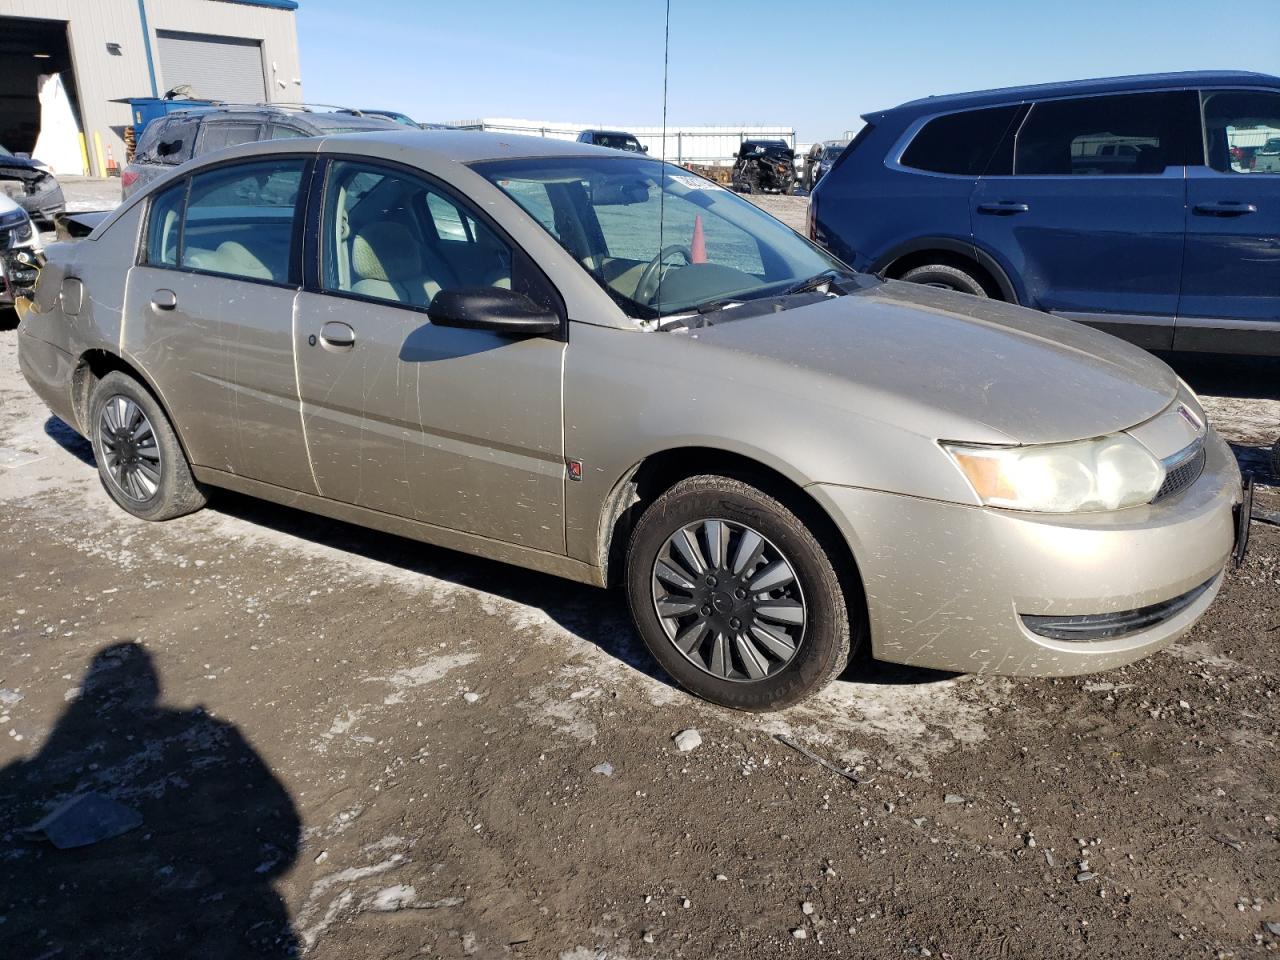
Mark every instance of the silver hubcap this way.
pixel 130 453
pixel 728 600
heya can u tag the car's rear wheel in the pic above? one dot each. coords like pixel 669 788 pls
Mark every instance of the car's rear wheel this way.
pixel 140 461
pixel 947 277
pixel 735 596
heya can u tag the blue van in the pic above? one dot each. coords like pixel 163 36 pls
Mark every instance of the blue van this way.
pixel 1148 206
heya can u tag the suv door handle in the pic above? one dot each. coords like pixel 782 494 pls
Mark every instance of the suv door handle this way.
pixel 336 335
pixel 164 300
pixel 1226 208
pixel 1004 208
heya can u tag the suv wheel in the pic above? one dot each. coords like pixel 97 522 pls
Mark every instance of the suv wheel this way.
pixel 735 596
pixel 140 461
pixel 945 276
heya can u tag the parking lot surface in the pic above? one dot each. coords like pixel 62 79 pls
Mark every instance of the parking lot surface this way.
pixel 352 745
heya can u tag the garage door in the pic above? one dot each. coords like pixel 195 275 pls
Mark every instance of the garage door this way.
pixel 216 68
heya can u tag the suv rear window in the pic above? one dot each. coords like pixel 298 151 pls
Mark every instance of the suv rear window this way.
pixel 961 143
pixel 170 140
pixel 1126 135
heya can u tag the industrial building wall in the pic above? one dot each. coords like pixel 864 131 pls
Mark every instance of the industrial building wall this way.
pixel 102 76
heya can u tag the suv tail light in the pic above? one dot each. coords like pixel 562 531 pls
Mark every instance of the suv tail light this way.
pixel 128 178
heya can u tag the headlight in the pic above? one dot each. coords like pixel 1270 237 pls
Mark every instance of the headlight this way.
pixel 22 232
pixel 1087 476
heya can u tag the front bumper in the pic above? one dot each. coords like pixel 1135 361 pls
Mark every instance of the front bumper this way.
pixel 948 585
pixel 42 204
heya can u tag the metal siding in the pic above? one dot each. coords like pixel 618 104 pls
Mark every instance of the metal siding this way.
pixel 216 68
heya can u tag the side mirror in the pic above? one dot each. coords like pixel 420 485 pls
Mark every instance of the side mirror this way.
pixel 643 148
pixel 492 308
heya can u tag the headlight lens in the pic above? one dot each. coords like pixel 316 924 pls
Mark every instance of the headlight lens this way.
pixel 1088 476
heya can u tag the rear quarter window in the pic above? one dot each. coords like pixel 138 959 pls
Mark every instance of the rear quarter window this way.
pixel 968 144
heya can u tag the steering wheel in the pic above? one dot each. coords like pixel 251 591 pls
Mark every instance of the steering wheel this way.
pixel 647 286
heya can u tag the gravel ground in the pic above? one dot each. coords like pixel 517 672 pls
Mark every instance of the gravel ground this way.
pixel 351 745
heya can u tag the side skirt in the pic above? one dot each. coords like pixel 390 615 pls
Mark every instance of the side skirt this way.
pixel 541 561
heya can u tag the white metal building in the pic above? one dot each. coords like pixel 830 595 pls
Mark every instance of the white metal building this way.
pixel 715 145
pixel 105 50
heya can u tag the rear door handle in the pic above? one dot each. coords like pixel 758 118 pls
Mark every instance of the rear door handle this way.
pixel 164 299
pixel 1003 208
pixel 1226 208
pixel 336 335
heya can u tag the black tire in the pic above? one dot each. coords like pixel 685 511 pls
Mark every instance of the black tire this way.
pixel 826 641
pixel 176 493
pixel 946 276
pixel 1275 460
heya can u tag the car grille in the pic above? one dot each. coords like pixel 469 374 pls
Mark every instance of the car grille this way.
pixel 1183 472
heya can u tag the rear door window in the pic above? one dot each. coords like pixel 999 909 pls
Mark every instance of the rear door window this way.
pixel 239 219
pixel 172 142
pixel 228 133
pixel 964 144
pixel 1242 131
pixel 1127 135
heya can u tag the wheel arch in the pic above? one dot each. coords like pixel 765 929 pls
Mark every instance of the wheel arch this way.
pixel 647 480
pixel 964 254
pixel 96 363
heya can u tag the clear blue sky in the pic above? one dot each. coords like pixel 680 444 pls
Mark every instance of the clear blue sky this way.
pixel 816 65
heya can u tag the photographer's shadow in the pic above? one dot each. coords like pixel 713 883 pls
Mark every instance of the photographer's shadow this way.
pixel 193 880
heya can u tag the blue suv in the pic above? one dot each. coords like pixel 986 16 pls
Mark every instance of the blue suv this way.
pixel 1148 206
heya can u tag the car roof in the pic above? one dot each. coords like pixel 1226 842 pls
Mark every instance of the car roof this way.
pixel 609 133
pixel 470 146
pixel 1040 91
pixel 320 119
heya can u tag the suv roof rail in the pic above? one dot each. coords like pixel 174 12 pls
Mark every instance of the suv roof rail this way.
pixel 272 105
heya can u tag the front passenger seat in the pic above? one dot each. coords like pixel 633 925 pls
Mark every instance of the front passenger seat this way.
pixel 387 263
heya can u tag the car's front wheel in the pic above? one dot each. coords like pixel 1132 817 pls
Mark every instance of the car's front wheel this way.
pixel 140 461
pixel 735 596
pixel 946 277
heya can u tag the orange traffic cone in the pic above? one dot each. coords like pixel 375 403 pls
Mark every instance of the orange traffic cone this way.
pixel 113 170
pixel 698 245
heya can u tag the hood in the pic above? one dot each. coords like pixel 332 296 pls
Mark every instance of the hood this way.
pixel 955 367
pixel 22 163
pixel 7 205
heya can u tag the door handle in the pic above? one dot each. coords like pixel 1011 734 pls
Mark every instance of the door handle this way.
pixel 1004 208
pixel 164 300
pixel 336 335
pixel 1226 208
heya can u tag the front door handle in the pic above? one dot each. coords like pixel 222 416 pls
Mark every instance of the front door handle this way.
pixel 1226 208
pixel 1004 208
pixel 336 335
pixel 164 300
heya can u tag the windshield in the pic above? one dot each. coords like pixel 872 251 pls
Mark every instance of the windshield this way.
pixel 658 239
pixel 617 142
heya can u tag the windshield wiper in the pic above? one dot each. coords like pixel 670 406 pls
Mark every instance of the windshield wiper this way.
pixel 812 283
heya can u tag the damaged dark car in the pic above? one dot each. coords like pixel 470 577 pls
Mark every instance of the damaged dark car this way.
pixel 31 185
pixel 763 166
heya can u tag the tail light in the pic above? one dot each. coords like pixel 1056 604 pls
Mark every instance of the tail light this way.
pixel 811 217
pixel 128 178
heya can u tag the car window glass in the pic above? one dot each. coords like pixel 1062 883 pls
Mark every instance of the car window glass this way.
pixel 963 144
pixel 1242 130
pixel 656 238
pixel 239 219
pixel 396 237
pixel 630 232
pixel 280 132
pixel 163 226
pixel 450 223
pixel 533 197
pixel 227 133
pixel 1108 136
pixel 172 142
